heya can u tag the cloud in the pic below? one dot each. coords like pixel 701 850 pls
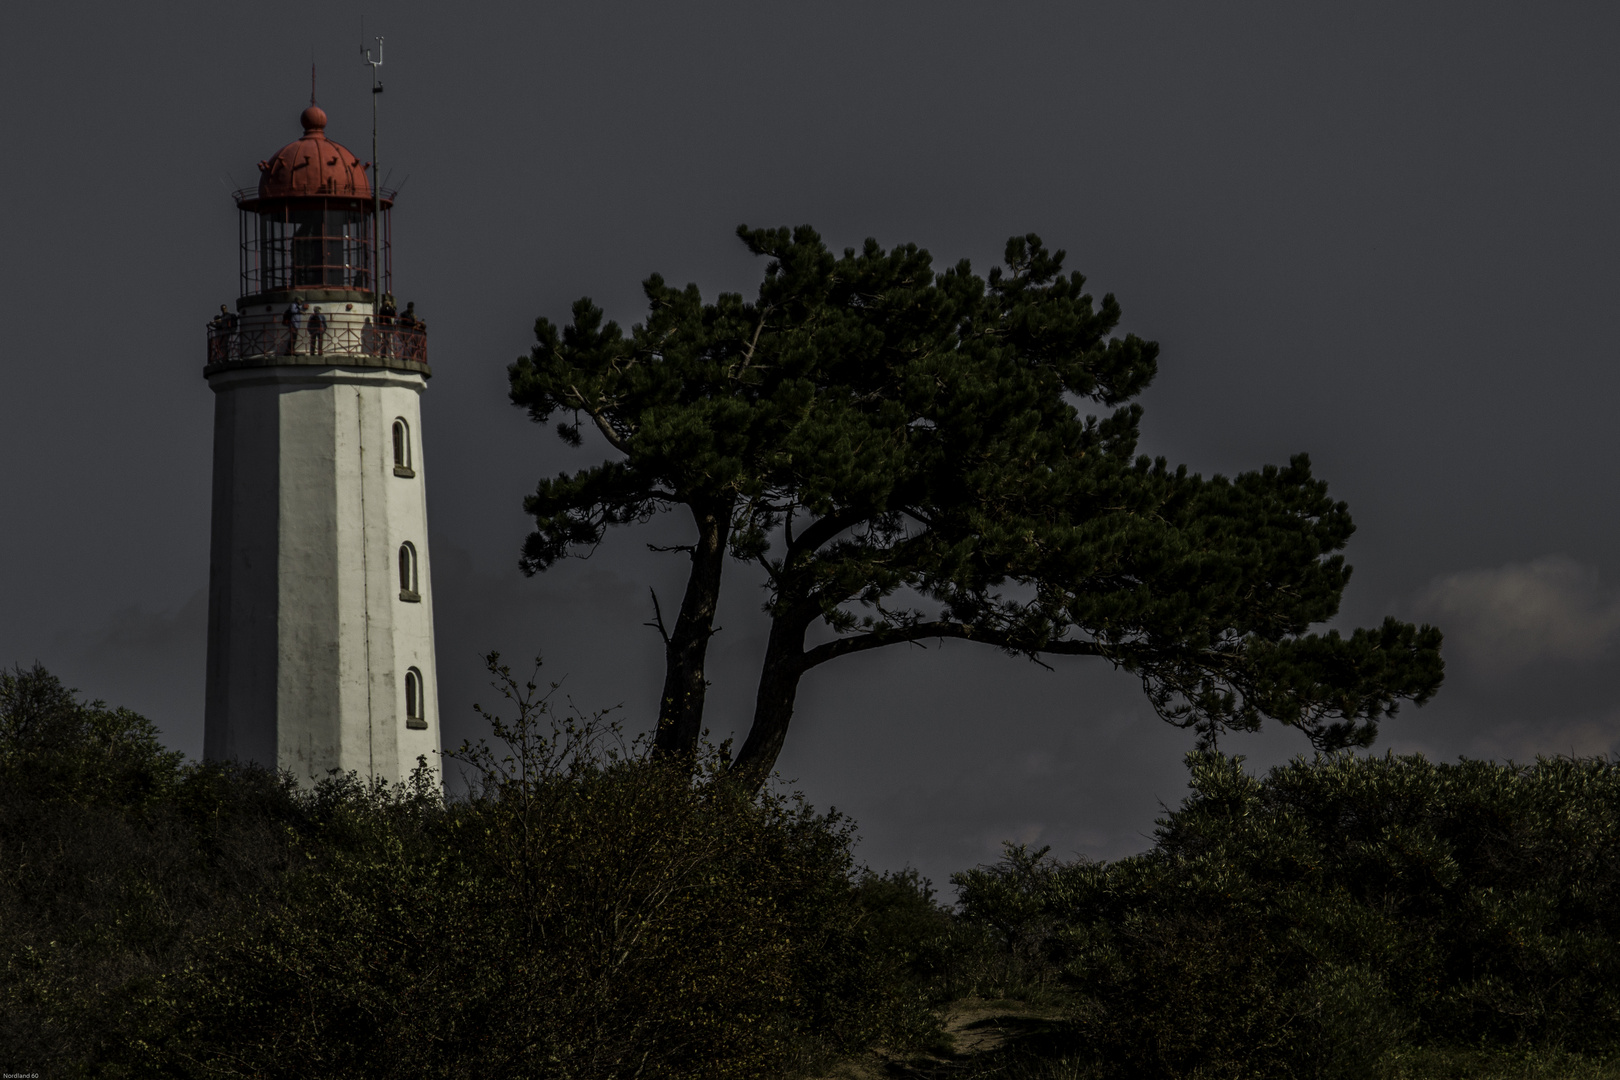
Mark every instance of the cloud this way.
pixel 1578 736
pixel 1506 618
pixel 1531 648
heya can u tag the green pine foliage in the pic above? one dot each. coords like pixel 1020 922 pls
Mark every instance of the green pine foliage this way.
pixel 909 453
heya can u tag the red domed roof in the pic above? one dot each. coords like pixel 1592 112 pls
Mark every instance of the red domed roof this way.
pixel 313 165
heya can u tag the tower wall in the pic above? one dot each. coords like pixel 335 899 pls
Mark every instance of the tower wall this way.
pixel 310 638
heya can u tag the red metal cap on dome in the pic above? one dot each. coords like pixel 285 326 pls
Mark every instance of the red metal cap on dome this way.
pixel 313 166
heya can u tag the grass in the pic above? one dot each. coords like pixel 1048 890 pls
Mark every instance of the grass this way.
pixel 1018 1040
pixel 1509 1064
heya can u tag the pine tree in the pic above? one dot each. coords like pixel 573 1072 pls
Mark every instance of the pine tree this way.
pixel 904 453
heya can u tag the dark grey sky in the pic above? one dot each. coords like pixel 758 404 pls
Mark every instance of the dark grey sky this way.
pixel 1382 234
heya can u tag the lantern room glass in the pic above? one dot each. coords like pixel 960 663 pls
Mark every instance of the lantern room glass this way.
pixel 310 243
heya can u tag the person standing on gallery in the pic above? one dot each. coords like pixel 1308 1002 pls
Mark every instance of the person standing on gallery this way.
pixel 317 332
pixel 292 320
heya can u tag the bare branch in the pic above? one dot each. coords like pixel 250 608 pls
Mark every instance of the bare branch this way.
pixel 601 422
pixel 748 354
pixel 658 618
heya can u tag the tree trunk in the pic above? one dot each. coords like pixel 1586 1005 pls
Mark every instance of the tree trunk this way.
pixel 773 706
pixel 680 709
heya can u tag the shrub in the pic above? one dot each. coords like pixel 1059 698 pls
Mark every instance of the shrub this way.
pixel 585 911
pixel 916 948
pixel 1310 923
pixel 114 859
pixel 582 911
pixel 1006 925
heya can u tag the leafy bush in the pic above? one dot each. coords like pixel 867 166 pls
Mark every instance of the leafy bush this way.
pixel 1310 923
pixel 114 859
pixel 1006 925
pixel 586 911
pixel 583 911
pixel 919 951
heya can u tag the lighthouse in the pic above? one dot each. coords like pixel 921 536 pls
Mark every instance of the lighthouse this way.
pixel 320 607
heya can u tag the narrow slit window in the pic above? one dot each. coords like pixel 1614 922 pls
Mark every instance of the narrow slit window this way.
pixel 402 448
pixel 407 574
pixel 415 700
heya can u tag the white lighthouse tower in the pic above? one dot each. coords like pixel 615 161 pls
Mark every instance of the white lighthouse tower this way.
pixel 320 616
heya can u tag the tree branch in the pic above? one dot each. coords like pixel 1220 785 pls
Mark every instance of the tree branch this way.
pixel 601 422
pixel 820 531
pixel 748 354
pixel 658 619
pixel 877 639
pixel 770 570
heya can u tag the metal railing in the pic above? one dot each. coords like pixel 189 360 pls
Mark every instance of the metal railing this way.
pixel 262 340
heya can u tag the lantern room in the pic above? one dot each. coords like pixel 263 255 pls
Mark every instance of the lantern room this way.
pixel 308 225
pixel 309 255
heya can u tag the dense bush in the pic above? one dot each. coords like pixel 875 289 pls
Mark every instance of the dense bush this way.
pixel 583 912
pixel 1309 923
pixel 114 861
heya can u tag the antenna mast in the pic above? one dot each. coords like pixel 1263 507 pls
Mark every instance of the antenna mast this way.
pixel 376 191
